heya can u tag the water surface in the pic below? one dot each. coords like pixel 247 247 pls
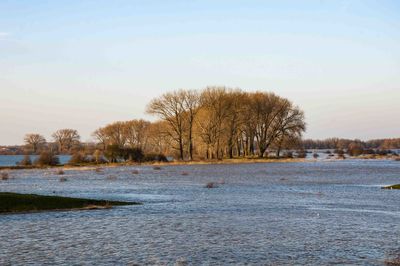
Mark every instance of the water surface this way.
pixel 266 213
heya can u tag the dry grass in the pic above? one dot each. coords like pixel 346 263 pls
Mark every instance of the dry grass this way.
pixel 4 176
pixel 393 261
pixel 211 185
pixel 60 172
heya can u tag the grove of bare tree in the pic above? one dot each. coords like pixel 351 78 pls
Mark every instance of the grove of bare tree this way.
pixel 34 141
pixel 212 123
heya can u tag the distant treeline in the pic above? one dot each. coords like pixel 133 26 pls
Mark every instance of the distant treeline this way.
pixel 213 123
pixel 338 143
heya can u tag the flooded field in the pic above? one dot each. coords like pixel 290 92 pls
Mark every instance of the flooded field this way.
pixel 266 213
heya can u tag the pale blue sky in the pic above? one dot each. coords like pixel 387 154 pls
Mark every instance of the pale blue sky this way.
pixel 82 64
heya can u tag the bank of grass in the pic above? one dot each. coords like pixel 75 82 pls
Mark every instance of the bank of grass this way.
pixel 15 203
pixel 397 186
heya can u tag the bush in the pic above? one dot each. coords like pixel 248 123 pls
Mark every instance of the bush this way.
pixel 60 172
pixel 113 153
pixel 211 185
pixel 26 161
pixel 4 176
pixel 154 157
pixel 315 155
pixel 382 152
pixel 78 158
pixel 133 154
pixel 301 154
pixel 47 159
pixel 339 152
pixel 98 157
pixel 288 154
pixel 355 150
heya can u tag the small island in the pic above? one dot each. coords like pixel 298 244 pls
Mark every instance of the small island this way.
pixel 16 203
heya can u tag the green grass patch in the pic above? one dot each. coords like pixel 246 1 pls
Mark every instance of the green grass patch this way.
pixel 397 186
pixel 14 202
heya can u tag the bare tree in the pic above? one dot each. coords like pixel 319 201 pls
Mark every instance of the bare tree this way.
pixel 34 141
pixel 191 101
pixel 135 132
pixel 101 136
pixel 115 134
pixel 214 111
pixel 159 140
pixel 65 139
pixel 291 125
pixel 267 107
pixel 169 107
pixel 234 119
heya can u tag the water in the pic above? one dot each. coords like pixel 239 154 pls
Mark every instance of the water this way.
pixel 12 160
pixel 261 214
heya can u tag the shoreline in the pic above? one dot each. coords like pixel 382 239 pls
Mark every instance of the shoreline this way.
pixel 197 162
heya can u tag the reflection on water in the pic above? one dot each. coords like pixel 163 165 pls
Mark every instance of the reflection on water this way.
pixel 12 160
pixel 277 213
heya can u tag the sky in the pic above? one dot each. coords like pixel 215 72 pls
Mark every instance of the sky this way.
pixel 83 64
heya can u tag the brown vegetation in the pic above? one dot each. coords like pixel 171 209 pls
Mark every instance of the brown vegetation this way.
pixel 4 175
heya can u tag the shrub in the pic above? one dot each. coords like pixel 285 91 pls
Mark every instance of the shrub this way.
pixel 211 185
pixel 113 153
pixel 4 176
pixel 63 179
pixel 288 154
pixel 355 149
pixel 382 152
pixel 315 155
pixel 157 168
pixel 339 152
pixel 301 154
pixel 98 157
pixel 78 158
pixel 133 154
pixel 154 157
pixel 60 172
pixel 135 172
pixel 47 158
pixel 26 161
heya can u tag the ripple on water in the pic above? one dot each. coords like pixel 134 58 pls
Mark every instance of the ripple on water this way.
pixel 277 213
